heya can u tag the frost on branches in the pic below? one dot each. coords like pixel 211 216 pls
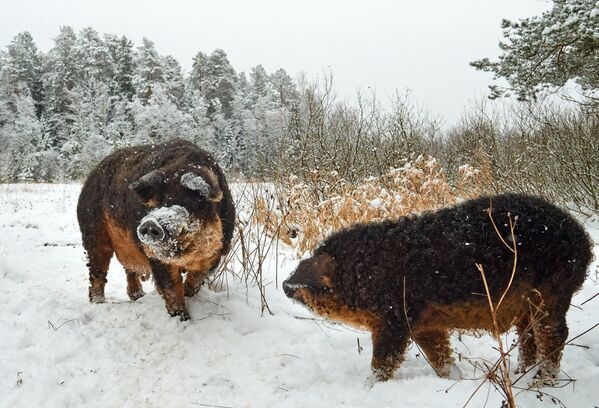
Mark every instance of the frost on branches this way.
pixel 543 53
pixel 62 111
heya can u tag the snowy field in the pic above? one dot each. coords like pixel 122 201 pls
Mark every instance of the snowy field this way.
pixel 58 350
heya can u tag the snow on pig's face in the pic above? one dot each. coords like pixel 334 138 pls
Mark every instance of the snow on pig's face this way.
pixel 182 222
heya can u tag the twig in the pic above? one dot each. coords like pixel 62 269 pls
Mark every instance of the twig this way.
pixel 589 299
pixel 56 328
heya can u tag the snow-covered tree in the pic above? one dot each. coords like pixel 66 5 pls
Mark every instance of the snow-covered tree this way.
pixel 122 54
pixel 61 112
pixel 92 57
pixel 19 137
pixel 544 53
pixel 88 142
pixel 204 134
pixel 215 79
pixel 22 64
pixel 199 72
pixel 59 79
pixel 259 83
pixel 174 82
pixel 285 89
pixel 149 70
pixel 159 118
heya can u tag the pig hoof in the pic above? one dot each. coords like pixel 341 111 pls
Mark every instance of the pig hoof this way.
pixel 379 375
pixel 95 297
pixel 136 295
pixel 183 315
pixel 544 379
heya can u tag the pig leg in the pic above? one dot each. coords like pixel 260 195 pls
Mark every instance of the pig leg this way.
pixel 134 288
pixel 194 280
pixel 170 285
pixel 527 347
pixel 550 334
pixel 436 346
pixel 99 251
pixel 388 347
pixel 198 272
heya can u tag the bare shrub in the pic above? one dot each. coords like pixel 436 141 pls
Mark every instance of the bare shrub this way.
pixel 539 149
pixel 254 242
pixel 354 140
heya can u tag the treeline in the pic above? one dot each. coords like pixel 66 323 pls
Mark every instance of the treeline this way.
pixel 62 111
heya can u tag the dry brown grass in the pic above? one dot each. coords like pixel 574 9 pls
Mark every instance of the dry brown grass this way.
pixel 309 210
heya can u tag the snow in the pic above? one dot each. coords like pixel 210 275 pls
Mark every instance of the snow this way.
pixel 58 350
pixel 571 20
pixel 196 183
pixel 174 218
pixel 550 29
pixel 173 221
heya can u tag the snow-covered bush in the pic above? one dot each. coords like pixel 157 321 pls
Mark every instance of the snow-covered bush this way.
pixel 307 211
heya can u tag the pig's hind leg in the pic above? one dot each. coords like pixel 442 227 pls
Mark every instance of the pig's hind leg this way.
pixel 99 251
pixel 436 346
pixel 527 346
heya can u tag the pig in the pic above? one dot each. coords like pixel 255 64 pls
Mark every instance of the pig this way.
pixel 165 210
pixel 416 278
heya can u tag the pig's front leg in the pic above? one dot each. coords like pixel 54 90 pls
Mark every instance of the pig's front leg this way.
pixel 170 285
pixel 388 347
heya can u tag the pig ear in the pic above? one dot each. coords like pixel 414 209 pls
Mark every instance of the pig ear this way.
pixel 148 186
pixel 205 182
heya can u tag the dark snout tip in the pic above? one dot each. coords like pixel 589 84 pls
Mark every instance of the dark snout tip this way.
pixel 151 231
pixel 288 289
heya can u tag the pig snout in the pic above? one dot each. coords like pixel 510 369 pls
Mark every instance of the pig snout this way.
pixel 150 231
pixel 288 289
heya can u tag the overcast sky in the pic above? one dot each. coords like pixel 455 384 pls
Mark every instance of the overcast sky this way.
pixel 387 45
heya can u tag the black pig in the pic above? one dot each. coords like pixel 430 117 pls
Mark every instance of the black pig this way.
pixel 416 278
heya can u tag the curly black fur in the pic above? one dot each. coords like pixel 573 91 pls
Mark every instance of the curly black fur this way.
pixel 436 252
pixel 431 258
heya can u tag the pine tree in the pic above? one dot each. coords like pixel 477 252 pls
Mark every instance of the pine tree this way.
pixel 285 89
pixel 149 70
pixel 260 84
pixel 204 134
pixel 543 53
pixel 20 137
pixel 220 83
pixel 174 82
pixel 93 58
pixel 23 65
pixel 59 79
pixel 199 73
pixel 122 53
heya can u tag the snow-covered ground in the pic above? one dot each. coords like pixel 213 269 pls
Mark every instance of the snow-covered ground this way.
pixel 58 350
